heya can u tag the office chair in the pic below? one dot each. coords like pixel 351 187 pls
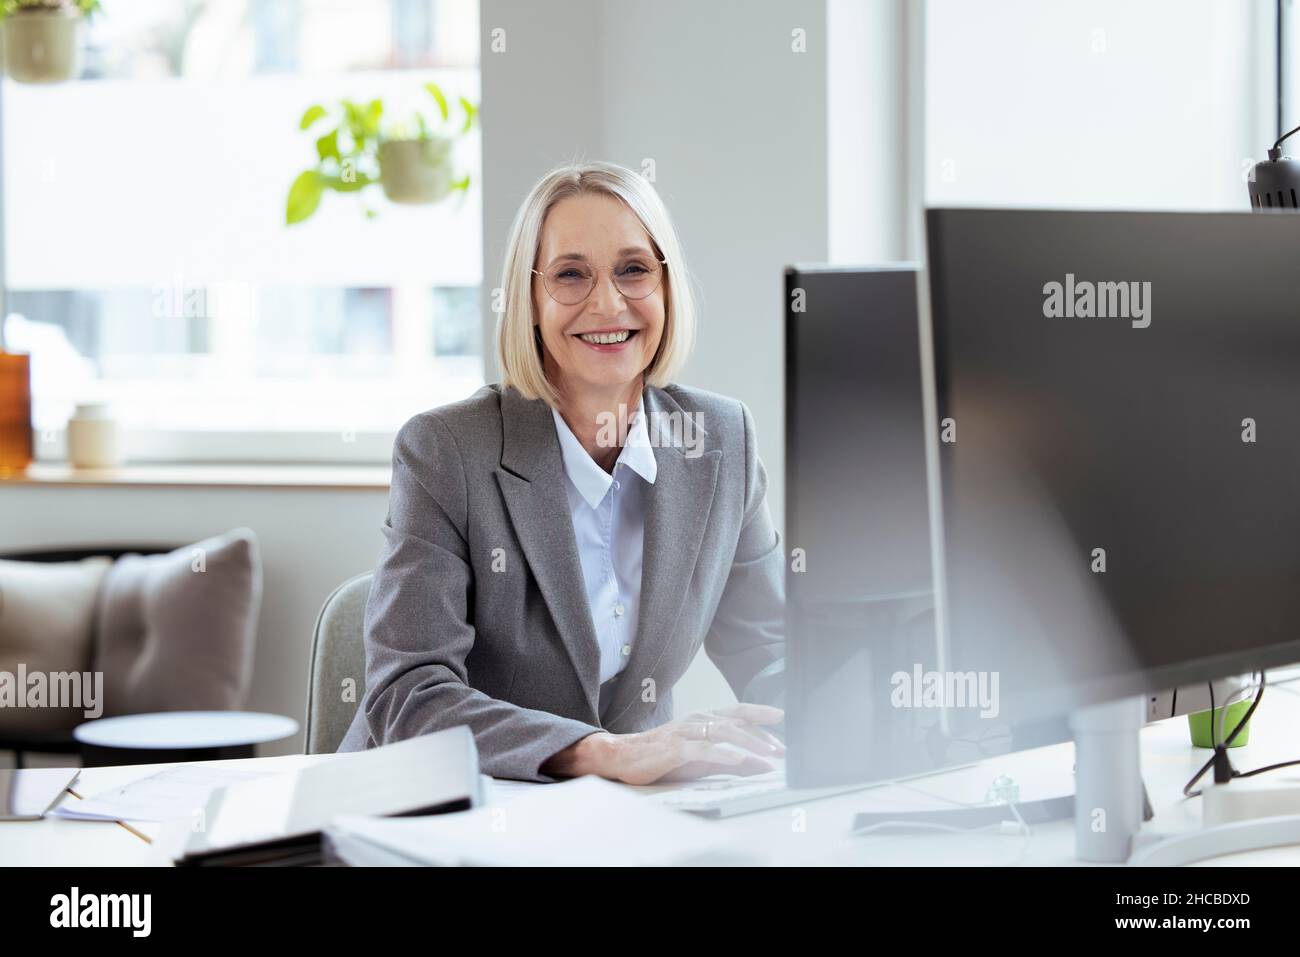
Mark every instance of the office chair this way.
pixel 337 654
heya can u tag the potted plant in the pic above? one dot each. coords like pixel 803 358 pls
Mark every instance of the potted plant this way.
pixel 42 38
pixel 412 160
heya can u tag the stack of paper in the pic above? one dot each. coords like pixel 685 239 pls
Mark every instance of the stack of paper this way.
pixel 279 818
pixel 587 822
pixel 179 792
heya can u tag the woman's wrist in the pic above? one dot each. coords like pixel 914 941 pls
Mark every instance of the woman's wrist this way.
pixel 589 755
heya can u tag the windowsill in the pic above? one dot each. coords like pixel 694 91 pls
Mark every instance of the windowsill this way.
pixel 328 477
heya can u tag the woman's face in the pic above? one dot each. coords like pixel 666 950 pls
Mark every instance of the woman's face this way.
pixel 596 231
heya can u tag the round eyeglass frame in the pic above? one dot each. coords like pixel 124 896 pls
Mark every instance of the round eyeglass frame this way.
pixel 596 278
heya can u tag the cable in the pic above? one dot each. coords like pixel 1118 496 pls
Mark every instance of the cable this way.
pixel 904 825
pixel 1022 829
pixel 1214 734
pixel 1218 750
pixel 1219 760
pixel 1235 697
pixel 1285 136
pixel 1270 767
pixel 1275 153
pixel 1220 754
pixel 1003 791
pixel 1279 60
pixel 1222 765
pixel 924 826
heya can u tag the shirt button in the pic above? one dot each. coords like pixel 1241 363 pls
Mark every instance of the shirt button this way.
pixel 627 650
pixel 618 611
pixel 616 485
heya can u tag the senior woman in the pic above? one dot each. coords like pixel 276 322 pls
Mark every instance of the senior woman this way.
pixel 559 546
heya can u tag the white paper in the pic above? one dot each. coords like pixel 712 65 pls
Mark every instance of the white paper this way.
pixel 584 822
pixel 37 788
pixel 176 792
pixel 499 791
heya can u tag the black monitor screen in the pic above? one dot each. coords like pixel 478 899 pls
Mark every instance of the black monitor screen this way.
pixel 1117 429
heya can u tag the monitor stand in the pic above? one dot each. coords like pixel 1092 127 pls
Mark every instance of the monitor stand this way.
pixel 1110 802
pixel 1108 806
pixel 1107 776
pixel 1235 837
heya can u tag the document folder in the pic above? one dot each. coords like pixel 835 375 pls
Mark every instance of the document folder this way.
pixel 278 819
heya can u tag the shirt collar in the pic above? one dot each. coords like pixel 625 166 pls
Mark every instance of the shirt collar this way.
pixel 592 481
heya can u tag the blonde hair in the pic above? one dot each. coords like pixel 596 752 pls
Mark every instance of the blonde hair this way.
pixel 519 347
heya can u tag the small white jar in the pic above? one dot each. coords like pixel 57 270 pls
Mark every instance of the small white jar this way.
pixel 94 441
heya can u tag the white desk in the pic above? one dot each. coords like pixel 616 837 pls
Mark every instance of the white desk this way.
pixel 816 833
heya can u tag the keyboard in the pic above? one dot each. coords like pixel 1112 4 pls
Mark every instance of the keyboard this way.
pixel 722 796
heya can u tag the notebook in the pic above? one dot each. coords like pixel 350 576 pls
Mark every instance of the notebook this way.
pixel 278 819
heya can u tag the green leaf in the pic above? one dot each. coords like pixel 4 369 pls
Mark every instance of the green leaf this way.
pixel 462 184
pixel 341 185
pixel 356 122
pixel 304 196
pixel 374 110
pixel 327 147
pixel 471 114
pixel 313 114
pixel 436 92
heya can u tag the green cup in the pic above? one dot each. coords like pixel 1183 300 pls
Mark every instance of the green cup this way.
pixel 1203 731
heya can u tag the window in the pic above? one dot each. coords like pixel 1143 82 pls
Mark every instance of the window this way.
pixel 147 258
pixel 1288 111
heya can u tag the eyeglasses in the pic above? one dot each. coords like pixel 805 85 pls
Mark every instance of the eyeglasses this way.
pixel 570 282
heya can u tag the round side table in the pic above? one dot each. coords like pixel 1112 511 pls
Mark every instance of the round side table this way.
pixel 166 737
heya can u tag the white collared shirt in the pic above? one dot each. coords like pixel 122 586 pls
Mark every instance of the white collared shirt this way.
pixel 608 513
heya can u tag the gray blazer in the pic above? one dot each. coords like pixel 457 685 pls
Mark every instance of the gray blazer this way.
pixel 478 614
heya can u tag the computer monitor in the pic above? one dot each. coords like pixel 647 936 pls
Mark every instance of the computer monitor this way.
pixel 860 607
pixel 1115 436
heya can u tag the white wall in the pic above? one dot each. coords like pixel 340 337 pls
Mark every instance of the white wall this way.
pixel 1159 104
pixel 872 152
pixel 540 109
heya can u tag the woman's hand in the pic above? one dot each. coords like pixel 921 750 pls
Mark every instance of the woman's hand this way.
pixel 726 741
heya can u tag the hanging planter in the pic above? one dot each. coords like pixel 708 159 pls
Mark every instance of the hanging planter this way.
pixel 42 38
pixel 412 160
pixel 416 171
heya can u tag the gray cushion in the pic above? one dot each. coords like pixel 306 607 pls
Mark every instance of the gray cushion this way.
pixel 175 631
pixel 46 624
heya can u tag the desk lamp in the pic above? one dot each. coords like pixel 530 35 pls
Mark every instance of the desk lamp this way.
pixel 1275 183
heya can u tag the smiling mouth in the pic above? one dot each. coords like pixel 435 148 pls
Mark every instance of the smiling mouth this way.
pixel 607 338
